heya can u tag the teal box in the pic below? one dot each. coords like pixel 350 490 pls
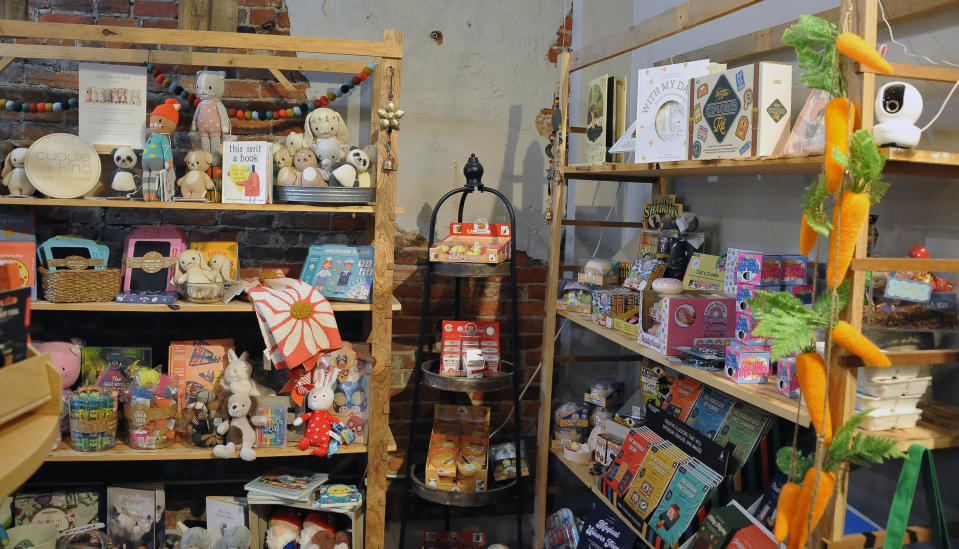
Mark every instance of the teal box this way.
pixel 340 273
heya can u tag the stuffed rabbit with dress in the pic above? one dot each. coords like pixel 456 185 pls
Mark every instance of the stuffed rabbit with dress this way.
pixel 324 433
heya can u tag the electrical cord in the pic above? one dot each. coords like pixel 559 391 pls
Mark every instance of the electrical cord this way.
pixel 905 49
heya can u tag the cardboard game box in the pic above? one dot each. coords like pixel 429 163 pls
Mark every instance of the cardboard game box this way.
pixel 477 242
pixel 340 273
pixel 681 319
pixel 741 112
pixel 197 364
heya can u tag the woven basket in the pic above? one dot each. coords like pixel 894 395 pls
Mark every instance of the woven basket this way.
pixel 69 286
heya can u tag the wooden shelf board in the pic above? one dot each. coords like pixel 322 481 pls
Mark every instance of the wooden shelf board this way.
pixel 899 161
pixel 937 428
pixel 581 470
pixel 179 451
pixel 185 307
pixel 81 202
pixel 27 440
pixel 763 396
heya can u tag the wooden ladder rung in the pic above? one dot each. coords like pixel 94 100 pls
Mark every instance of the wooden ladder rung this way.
pixel 911 358
pixel 920 72
pixel 577 129
pixel 904 264
pixel 914 534
pixel 597 223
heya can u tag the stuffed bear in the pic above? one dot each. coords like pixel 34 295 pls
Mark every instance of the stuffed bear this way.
pixel 328 151
pixel 239 429
pixel 196 182
pixel 283 162
pixel 344 174
pixel 124 180
pixel 15 176
pixel 294 141
pixel 307 167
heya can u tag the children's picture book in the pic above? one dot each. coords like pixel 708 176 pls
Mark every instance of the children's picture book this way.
pixel 605 116
pixel 655 383
pixel 112 367
pixel 682 396
pixel 135 517
pixel 340 273
pixel 686 493
pixel 744 426
pixel 293 486
pixel 222 512
pixel 662 110
pixel 23 253
pixel 731 526
pixel 603 529
pixel 197 364
pixel 338 495
pixel 709 412
pixel 247 172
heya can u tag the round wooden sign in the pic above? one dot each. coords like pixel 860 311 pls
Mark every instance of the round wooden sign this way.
pixel 61 165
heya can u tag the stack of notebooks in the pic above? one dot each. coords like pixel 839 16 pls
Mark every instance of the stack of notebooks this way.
pixel 284 488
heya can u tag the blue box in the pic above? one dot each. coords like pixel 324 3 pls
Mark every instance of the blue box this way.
pixel 795 270
pixel 340 273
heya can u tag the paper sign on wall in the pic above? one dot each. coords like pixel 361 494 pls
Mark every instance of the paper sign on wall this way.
pixel 113 105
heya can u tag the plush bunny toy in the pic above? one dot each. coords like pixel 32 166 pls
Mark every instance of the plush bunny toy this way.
pixel 237 376
pixel 324 433
pixel 222 268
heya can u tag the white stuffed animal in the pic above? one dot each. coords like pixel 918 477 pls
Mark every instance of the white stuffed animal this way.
pixel 324 123
pixel 328 151
pixel 222 268
pixel 15 176
pixel 196 182
pixel 286 174
pixel 124 180
pixel 191 267
pixel 294 141
pixel 237 376
pixel 234 537
pixel 239 428
pixel 345 174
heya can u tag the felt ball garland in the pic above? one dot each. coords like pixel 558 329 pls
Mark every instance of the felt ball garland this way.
pixel 10 105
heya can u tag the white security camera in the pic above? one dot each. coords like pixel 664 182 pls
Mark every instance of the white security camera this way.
pixel 898 107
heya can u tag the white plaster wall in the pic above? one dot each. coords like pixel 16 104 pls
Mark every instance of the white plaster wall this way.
pixel 479 92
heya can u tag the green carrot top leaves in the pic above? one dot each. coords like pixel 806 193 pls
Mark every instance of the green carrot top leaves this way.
pixel 814 206
pixel 791 325
pixel 860 449
pixel 814 39
pixel 865 164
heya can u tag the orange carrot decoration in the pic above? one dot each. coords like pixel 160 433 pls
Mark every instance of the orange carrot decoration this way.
pixel 807 237
pixel 851 340
pixel 854 47
pixel 785 507
pixel 837 116
pixel 812 382
pixel 848 220
pixel 799 531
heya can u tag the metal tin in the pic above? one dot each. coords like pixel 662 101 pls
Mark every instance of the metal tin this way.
pixel 467 384
pixel 324 195
pixel 499 494
pixel 471 270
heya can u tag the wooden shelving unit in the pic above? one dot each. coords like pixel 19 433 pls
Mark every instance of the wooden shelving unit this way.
pixel 939 427
pixel 227 49
pixel 187 307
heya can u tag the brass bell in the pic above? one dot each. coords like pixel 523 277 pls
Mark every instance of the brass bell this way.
pixel 388 164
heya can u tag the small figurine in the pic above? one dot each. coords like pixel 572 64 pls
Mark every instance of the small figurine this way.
pixel 328 151
pixel 211 119
pixel 307 167
pixel 898 107
pixel 14 174
pixel 282 529
pixel 196 182
pixel 324 123
pixel 283 162
pixel 124 180
pixel 158 174
pixel 323 431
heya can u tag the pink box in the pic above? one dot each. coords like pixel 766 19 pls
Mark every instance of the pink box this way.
pixel 795 270
pixel 745 291
pixel 675 321
pixel 747 364
pixel 787 380
pixel 149 256
pixel 758 269
pixel 744 331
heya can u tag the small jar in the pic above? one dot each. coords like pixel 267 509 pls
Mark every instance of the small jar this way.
pixel 150 406
pixel 93 419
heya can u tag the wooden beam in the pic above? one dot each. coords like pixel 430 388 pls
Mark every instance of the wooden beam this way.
pixel 288 86
pixel 910 358
pixel 673 21
pixel 920 72
pixel 14 9
pixel 167 57
pixel 554 260
pixel 762 43
pixel 597 223
pixel 904 264
pixel 204 15
pixel 382 334
pixel 595 358
pixel 914 534
pixel 199 39
pixel 5 62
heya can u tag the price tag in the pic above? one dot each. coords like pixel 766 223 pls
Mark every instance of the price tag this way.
pixel 908 290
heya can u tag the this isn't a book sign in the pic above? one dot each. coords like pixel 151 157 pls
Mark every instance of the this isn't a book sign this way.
pixel 247 172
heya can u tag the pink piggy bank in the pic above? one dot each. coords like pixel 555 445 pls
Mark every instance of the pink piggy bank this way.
pixel 66 357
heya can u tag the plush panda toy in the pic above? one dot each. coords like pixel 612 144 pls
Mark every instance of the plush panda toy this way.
pixel 124 180
pixel 345 174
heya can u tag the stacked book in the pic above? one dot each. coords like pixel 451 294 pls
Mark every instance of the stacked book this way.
pixel 338 498
pixel 285 488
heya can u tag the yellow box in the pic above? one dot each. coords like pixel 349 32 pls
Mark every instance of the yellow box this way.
pixel 442 455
